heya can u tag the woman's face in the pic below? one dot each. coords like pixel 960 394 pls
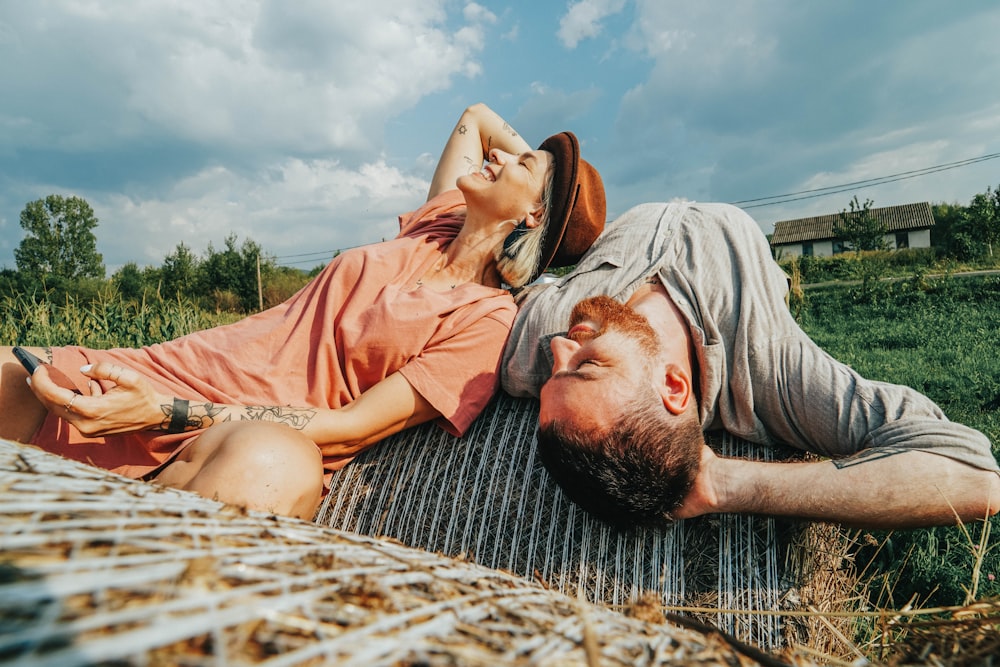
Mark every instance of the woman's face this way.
pixel 509 186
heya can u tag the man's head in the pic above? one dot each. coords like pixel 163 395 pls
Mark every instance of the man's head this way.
pixel 618 425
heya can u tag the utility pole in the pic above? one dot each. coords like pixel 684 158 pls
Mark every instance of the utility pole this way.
pixel 260 288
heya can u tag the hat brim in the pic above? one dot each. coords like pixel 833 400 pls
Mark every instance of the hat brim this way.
pixel 565 150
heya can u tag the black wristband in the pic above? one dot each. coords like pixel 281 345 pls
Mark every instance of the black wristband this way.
pixel 178 416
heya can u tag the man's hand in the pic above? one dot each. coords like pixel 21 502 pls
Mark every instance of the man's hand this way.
pixel 703 497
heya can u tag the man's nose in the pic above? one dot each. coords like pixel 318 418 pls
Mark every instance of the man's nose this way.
pixel 562 351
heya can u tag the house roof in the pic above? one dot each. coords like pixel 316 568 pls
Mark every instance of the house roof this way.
pixel 900 218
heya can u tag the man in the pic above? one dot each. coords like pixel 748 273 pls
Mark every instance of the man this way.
pixel 690 332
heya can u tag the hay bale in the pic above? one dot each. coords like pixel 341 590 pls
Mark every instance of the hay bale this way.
pixel 486 498
pixel 100 569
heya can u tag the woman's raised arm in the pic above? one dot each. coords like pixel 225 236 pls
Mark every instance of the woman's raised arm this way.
pixel 478 131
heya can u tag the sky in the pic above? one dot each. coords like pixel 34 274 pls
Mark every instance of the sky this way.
pixel 308 126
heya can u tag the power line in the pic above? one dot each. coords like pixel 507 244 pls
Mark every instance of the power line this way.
pixel 844 187
pixel 318 254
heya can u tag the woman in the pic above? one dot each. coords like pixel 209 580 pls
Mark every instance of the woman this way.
pixel 388 336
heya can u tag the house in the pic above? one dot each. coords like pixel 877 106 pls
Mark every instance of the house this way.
pixel 907 226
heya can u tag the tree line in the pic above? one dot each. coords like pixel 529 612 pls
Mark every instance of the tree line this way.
pixel 58 260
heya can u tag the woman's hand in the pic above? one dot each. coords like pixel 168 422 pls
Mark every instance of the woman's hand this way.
pixel 478 131
pixel 129 404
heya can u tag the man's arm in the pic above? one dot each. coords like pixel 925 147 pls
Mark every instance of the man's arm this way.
pixel 875 488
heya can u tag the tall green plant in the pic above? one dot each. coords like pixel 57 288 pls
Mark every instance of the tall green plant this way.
pixel 108 321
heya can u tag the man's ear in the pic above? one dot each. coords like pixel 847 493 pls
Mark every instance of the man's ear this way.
pixel 676 389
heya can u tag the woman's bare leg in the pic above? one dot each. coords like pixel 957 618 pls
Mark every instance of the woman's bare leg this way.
pixel 259 465
pixel 21 414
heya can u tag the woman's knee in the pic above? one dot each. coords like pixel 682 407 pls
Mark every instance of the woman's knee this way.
pixel 260 465
pixel 267 445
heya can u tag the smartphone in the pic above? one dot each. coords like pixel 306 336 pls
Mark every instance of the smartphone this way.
pixel 31 362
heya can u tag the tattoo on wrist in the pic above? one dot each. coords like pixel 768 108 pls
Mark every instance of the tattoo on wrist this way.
pixel 180 416
pixel 179 412
pixel 297 418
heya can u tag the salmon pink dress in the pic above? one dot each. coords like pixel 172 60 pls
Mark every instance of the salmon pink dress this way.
pixel 360 320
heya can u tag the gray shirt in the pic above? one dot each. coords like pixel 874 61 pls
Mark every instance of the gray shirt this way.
pixel 761 377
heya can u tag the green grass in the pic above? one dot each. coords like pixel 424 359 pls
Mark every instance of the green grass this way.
pixel 941 337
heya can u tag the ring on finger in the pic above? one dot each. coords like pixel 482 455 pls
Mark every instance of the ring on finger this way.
pixel 69 406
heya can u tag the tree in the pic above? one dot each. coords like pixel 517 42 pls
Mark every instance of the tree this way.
pixel 948 220
pixel 60 241
pixel 983 218
pixel 179 274
pixel 234 271
pixel 128 281
pixel 859 229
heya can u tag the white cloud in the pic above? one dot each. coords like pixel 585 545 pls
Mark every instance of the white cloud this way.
pixel 705 40
pixel 199 119
pixel 583 20
pixel 317 204
pixel 478 14
pixel 304 76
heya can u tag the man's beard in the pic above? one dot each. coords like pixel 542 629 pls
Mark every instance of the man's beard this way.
pixel 609 315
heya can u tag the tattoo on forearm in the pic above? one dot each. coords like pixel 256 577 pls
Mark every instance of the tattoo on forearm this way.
pixel 509 130
pixel 866 455
pixel 297 418
pixel 48 354
pixel 462 129
pixel 203 415
pixel 473 166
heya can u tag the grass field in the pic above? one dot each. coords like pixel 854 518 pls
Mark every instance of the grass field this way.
pixel 941 337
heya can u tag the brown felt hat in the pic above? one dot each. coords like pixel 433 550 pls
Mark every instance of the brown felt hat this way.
pixel 577 202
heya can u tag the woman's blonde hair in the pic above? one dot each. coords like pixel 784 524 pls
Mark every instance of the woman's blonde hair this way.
pixel 518 263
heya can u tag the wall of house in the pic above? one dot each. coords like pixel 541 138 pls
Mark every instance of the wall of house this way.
pixel 819 249
pixel 920 238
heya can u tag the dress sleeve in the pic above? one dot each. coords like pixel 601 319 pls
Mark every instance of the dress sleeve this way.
pixel 446 209
pixel 460 374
